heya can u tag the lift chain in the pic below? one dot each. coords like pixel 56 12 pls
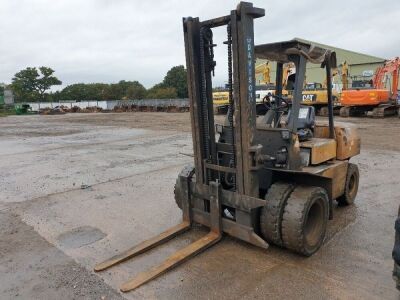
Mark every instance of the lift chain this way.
pixel 207 65
pixel 205 133
pixel 231 100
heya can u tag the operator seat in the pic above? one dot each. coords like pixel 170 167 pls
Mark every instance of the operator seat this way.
pixel 305 122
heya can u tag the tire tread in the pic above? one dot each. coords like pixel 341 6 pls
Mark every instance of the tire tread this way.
pixel 271 214
pixel 345 199
pixel 294 215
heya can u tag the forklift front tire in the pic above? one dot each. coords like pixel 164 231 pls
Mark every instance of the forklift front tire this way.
pixel 305 219
pixel 272 212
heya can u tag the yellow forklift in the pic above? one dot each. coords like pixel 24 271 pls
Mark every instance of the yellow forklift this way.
pixel 268 181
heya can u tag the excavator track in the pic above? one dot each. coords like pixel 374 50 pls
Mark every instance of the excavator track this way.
pixel 384 111
pixel 344 112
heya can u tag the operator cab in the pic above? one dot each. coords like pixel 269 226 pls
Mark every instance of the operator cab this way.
pixel 299 53
pixel 300 119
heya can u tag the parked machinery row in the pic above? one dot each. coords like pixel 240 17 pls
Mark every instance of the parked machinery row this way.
pixel 377 97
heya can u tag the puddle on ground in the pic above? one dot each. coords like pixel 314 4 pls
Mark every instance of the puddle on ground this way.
pixel 80 236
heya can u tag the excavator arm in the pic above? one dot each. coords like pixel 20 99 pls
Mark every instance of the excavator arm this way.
pixel 264 70
pixel 390 67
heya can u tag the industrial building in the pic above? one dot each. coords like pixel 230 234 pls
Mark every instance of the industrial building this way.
pixel 359 65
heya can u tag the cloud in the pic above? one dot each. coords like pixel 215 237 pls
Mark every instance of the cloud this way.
pixel 106 41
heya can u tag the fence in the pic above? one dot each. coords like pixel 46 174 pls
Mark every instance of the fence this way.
pixel 110 104
pixel 156 102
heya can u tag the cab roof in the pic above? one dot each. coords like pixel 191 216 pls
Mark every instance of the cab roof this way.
pixel 281 51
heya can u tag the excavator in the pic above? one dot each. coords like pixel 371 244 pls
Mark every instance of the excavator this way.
pixel 267 180
pixel 265 71
pixel 221 101
pixel 221 97
pixel 315 94
pixel 378 101
pixel 345 76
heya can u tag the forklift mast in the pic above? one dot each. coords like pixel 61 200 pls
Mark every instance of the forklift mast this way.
pixel 242 108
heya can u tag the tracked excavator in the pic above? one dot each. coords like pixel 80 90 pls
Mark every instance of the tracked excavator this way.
pixel 379 101
pixel 270 180
pixel 221 98
pixel 316 95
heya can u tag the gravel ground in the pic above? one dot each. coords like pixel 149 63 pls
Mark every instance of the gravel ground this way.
pixel 78 188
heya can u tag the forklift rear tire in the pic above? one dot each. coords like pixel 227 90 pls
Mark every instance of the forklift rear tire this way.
pixel 272 212
pixel 351 186
pixel 305 219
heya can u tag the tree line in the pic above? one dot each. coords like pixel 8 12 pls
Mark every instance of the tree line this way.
pixel 33 84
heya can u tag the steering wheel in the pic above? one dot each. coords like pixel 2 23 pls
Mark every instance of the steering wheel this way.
pixel 270 102
pixel 267 101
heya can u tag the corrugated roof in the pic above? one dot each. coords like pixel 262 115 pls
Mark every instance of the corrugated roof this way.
pixel 352 57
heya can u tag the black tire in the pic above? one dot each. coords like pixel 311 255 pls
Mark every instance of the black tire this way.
pixel 271 214
pixel 351 186
pixel 305 219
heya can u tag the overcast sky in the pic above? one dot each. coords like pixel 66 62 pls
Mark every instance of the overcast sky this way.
pixel 109 40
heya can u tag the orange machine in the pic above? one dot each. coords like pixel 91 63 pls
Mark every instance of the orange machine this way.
pixel 378 101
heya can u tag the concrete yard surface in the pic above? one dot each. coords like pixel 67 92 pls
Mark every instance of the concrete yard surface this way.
pixel 79 188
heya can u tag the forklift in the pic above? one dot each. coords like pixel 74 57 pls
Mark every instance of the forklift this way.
pixel 266 180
